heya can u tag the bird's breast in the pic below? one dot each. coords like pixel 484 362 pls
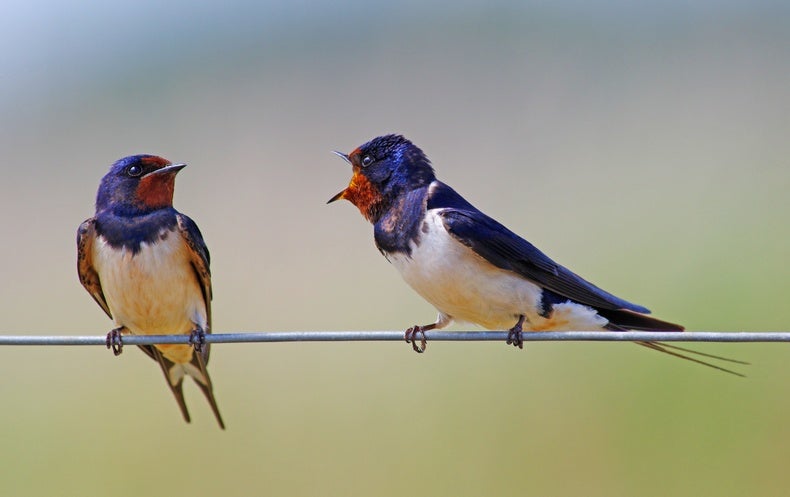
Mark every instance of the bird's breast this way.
pixel 154 290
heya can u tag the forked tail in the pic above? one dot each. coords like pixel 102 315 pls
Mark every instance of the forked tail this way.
pixel 175 373
pixel 623 320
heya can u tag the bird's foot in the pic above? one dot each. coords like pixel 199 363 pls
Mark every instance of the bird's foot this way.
pixel 115 341
pixel 197 338
pixel 412 333
pixel 515 335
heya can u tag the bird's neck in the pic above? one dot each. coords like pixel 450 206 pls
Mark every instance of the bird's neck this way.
pixel 123 229
pixel 366 197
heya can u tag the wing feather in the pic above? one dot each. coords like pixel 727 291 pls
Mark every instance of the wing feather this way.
pixel 506 250
pixel 86 236
pixel 200 259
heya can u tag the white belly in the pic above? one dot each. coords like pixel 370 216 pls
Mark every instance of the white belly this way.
pixel 153 292
pixel 465 287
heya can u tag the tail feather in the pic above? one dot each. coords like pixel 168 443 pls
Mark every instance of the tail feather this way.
pixel 665 348
pixel 623 320
pixel 174 376
pixel 704 354
pixel 204 382
pixel 175 386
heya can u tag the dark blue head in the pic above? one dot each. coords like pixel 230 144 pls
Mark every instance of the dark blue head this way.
pixel 138 184
pixel 384 168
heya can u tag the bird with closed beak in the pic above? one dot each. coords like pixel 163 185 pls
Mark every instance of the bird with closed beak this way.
pixel 147 267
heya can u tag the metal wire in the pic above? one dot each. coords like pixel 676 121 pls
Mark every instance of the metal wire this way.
pixel 433 336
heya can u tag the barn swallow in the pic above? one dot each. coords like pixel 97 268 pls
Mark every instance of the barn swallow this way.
pixel 470 267
pixel 147 267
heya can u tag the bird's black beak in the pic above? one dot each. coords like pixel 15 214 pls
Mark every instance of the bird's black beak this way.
pixel 340 194
pixel 171 169
pixel 336 197
pixel 342 155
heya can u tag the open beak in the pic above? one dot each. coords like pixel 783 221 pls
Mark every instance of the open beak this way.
pixel 337 197
pixel 171 169
pixel 343 193
pixel 342 155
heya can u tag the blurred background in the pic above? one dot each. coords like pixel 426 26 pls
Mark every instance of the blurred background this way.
pixel 645 147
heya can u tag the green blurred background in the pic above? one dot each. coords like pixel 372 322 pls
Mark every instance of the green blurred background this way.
pixel 645 147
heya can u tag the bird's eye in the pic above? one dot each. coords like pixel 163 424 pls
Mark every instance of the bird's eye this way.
pixel 134 170
pixel 367 160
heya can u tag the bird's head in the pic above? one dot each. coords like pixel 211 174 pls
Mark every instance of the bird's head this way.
pixel 138 184
pixel 382 169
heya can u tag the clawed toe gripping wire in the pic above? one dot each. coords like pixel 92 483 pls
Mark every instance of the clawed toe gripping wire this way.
pixel 114 341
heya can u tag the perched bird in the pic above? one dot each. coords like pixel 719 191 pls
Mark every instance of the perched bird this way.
pixel 470 267
pixel 147 267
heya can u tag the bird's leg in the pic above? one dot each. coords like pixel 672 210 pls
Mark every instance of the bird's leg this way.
pixel 514 335
pixel 197 338
pixel 114 340
pixel 411 336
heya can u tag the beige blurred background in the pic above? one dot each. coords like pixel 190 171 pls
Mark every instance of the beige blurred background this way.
pixel 644 147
